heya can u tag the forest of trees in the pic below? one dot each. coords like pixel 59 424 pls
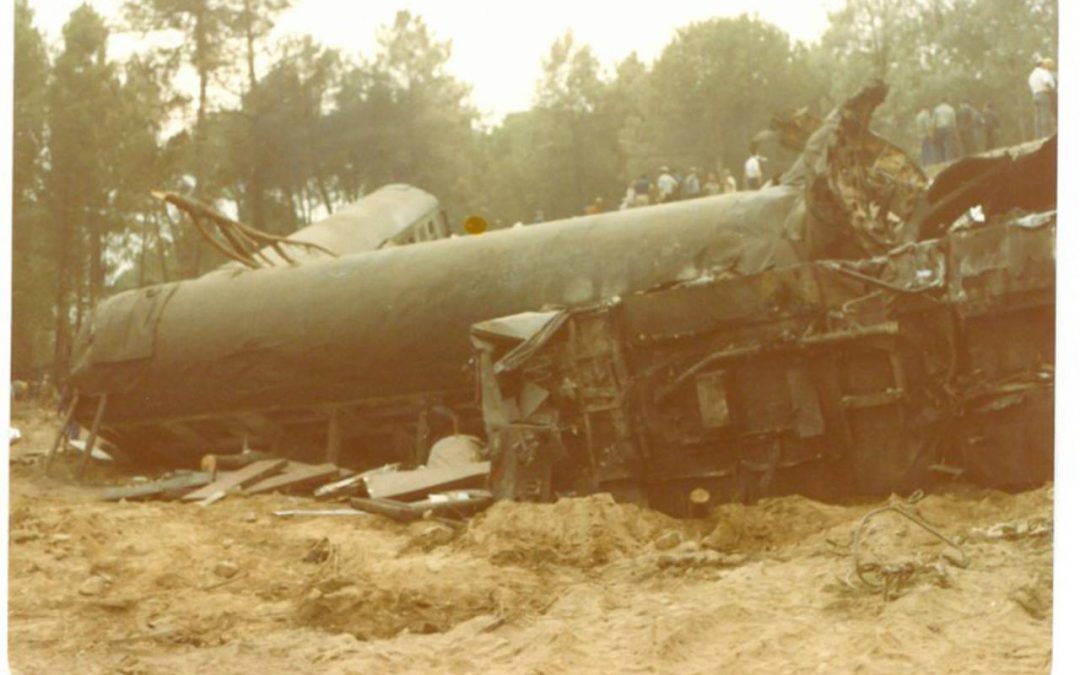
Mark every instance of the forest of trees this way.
pixel 313 128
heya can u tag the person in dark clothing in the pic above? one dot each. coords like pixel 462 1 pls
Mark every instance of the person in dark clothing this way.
pixel 642 187
pixel 990 126
pixel 968 120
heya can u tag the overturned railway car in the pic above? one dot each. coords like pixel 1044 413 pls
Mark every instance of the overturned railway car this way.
pixel 825 378
pixel 793 296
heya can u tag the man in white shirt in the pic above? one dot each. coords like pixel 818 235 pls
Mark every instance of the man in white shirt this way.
pixel 1043 90
pixel 752 169
pixel 666 185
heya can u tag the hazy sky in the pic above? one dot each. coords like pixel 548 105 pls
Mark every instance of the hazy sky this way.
pixel 498 46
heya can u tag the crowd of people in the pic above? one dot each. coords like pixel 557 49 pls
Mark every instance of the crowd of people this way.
pixel 672 185
pixel 947 133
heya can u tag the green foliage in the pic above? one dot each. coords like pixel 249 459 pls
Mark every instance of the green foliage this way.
pixel 31 288
pixel 932 50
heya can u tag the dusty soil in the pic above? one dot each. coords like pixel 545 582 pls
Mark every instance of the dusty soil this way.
pixel 582 585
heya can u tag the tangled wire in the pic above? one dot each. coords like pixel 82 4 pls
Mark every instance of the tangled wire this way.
pixel 889 578
pixel 234 239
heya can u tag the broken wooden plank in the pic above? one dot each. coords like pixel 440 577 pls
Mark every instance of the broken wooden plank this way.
pixel 252 473
pixel 419 483
pixel 166 487
pixel 350 485
pixel 295 476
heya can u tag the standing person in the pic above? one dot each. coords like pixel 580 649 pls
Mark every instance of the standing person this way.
pixel 667 186
pixel 691 188
pixel 753 168
pixel 1044 92
pixel 944 119
pixel 642 188
pixel 712 184
pixel 990 125
pixel 967 121
pixel 728 182
pixel 924 129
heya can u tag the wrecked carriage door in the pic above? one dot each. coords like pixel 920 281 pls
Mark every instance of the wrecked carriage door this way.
pixel 555 405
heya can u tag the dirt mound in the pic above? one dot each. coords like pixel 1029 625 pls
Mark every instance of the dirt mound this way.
pixel 771 523
pixel 579 532
pixel 580 586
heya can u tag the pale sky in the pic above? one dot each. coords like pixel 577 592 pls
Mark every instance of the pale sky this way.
pixel 497 47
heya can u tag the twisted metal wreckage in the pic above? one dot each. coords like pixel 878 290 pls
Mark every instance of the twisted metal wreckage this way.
pixel 848 330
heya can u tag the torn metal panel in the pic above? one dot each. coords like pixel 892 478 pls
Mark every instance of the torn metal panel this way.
pixel 409 485
pixel 859 190
pixel 392 215
pixel 1025 179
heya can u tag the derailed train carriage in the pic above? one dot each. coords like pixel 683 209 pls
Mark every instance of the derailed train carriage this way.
pixel 845 331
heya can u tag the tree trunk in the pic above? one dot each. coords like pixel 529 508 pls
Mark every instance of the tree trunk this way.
pixel 95 254
pixel 143 236
pixel 324 194
pixel 257 180
pixel 61 343
pixel 161 250
pixel 202 67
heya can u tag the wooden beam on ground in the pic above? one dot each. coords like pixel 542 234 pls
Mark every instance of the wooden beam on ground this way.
pixel 171 487
pixel 419 483
pixel 295 476
pixel 250 474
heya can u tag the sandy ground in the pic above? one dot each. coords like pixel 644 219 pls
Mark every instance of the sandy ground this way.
pixel 580 586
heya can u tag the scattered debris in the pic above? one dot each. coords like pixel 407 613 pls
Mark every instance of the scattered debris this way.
pixel 226 569
pixel 97 453
pixel 173 486
pixel 237 480
pixel 290 513
pixel 409 485
pixel 1035 527
pixel 295 476
pixel 354 485
pixel 460 504
pixel 890 578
